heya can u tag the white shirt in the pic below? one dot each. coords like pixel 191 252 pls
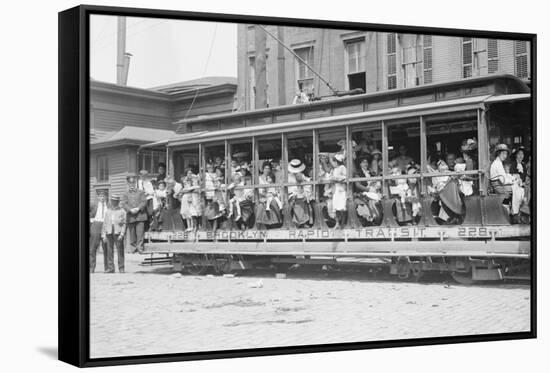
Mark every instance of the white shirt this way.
pixel 496 172
pixel 100 213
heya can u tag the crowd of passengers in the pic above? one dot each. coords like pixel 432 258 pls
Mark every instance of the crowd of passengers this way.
pixel 182 203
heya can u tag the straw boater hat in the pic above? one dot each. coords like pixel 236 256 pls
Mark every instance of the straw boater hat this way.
pixel 101 192
pixel 469 145
pixel 295 166
pixel 143 173
pixel 376 151
pixel 115 198
pixel 501 148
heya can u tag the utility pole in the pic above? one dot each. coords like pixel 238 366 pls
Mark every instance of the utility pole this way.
pixel 260 77
pixel 121 52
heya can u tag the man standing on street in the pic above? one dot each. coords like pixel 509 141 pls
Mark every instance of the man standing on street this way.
pixel 114 227
pixel 97 214
pixel 134 203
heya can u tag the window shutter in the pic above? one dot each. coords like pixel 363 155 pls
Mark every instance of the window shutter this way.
pixel 492 55
pixel 522 61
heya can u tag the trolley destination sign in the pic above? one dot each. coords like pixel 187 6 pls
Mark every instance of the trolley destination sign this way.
pixel 367 233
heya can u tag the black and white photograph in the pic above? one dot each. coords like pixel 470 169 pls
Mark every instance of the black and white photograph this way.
pixel 260 186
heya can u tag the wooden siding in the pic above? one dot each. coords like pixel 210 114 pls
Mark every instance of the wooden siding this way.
pixel 120 161
pixel 115 120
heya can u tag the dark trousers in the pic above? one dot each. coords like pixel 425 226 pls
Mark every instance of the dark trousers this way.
pixel 114 242
pixel 95 241
pixel 136 231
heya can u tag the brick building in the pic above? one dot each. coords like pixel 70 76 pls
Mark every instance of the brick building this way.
pixel 123 118
pixel 373 61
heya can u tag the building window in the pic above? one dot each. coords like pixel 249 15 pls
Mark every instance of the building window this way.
pixel 355 64
pixel 391 46
pixel 467 57
pixel 521 57
pixel 102 168
pixel 304 75
pixel 150 159
pixel 492 56
pixel 427 58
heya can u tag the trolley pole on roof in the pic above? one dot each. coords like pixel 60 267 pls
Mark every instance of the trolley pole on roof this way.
pixel 332 89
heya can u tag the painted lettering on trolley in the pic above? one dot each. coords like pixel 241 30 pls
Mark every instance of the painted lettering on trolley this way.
pixel 473 232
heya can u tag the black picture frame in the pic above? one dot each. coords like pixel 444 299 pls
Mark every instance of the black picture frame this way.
pixel 74 176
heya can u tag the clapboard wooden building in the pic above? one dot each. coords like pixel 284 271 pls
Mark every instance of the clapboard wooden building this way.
pixel 122 118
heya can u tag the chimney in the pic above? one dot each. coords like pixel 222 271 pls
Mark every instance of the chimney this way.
pixel 121 52
pixel 126 68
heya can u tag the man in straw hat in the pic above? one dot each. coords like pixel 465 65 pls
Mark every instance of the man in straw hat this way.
pixel 134 203
pixel 112 233
pixel 502 183
pixel 97 215
pixel 299 195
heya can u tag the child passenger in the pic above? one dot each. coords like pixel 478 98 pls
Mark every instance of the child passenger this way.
pixel 238 196
pixel 339 198
pixel 272 193
pixel 159 203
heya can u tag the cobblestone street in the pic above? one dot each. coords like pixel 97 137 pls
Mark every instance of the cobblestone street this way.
pixel 149 310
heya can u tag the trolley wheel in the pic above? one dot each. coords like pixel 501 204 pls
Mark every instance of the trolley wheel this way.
pixel 463 278
pixel 195 268
pixel 417 273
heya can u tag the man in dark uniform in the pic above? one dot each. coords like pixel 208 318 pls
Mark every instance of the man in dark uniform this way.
pixel 97 214
pixel 134 203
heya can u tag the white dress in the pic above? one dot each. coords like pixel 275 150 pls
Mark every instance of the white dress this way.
pixel 339 198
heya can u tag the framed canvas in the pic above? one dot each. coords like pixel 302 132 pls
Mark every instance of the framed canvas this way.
pixel 254 185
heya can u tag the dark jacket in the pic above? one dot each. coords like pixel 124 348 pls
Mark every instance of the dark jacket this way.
pixel 133 199
pixel 514 170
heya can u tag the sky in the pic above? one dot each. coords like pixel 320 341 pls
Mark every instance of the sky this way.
pixel 163 51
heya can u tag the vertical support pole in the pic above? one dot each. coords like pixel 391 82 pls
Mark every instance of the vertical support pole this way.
pixel 281 66
pixel 255 168
pixel 483 150
pixel 349 160
pixel 423 154
pixel 170 162
pixel 315 135
pixel 260 38
pixel 284 146
pixel 385 186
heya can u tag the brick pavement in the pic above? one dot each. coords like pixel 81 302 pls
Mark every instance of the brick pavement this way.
pixel 150 311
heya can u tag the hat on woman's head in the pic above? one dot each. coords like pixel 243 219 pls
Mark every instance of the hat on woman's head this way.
pixel 412 168
pixel 295 166
pixel 376 151
pixel 520 148
pixel 501 148
pixel 469 145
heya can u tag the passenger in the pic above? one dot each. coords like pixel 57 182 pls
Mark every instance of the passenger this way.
pixel 450 159
pixel 339 197
pixel 447 195
pixel 218 162
pixel 268 211
pixel 212 209
pixel 219 194
pixel 171 216
pixel 367 195
pixel 159 204
pixel 184 193
pixel 403 159
pixel 465 182
pixel 161 176
pixel 502 184
pixel 413 194
pixel 325 170
pixel 234 166
pixel 518 164
pixel 277 171
pixel 144 183
pixel 299 196
pixel 237 196
pixel 399 191
pixel 196 204
pixel 376 167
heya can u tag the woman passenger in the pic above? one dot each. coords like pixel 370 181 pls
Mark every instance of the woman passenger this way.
pixel 367 195
pixel 339 198
pixel 299 196
pixel 268 211
pixel 501 183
